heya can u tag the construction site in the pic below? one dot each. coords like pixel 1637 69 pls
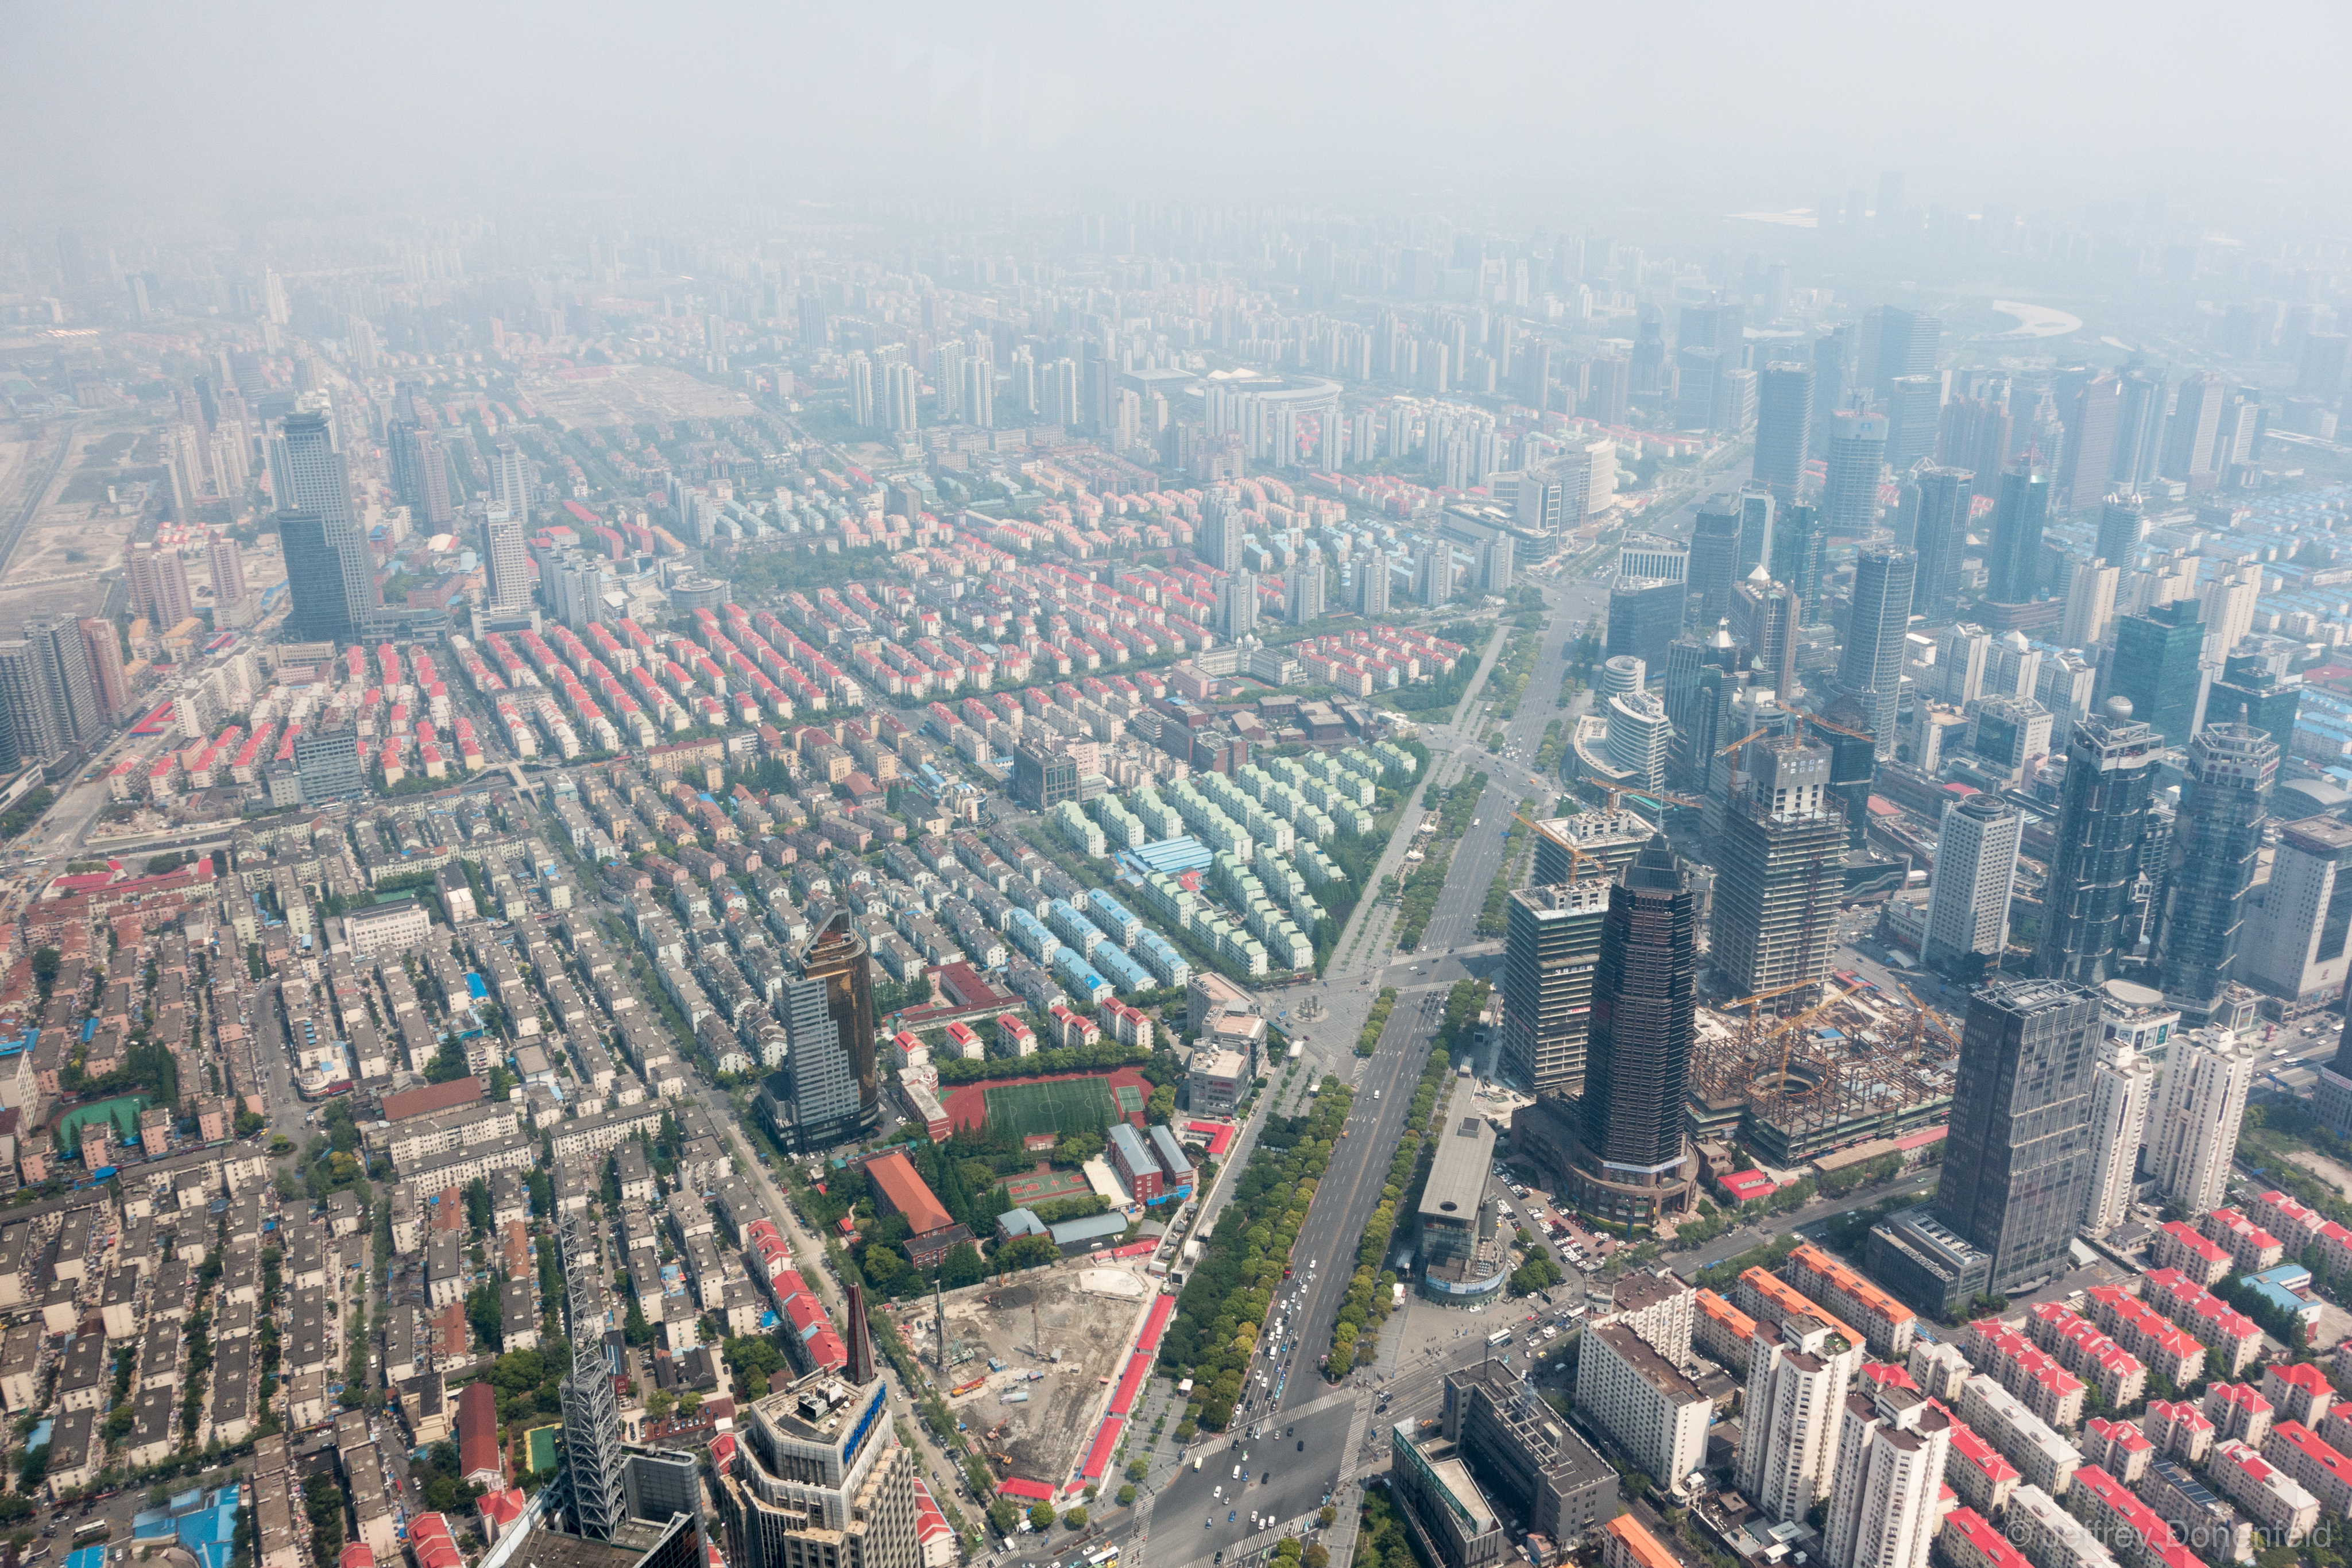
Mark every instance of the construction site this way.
pixel 1028 1364
pixel 1857 1066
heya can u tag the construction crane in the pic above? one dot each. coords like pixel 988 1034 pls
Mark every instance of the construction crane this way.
pixel 1742 741
pixel 1751 1002
pixel 1660 798
pixel 1576 857
pixel 1930 1019
pixel 1839 729
pixel 1785 1032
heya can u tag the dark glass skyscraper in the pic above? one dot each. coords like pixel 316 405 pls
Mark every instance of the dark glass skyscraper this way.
pixel 1908 341
pixel 835 955
pixel 305 466
pixel 2019 1160
pixel 314 577
pixel 1872 669
pixel 2157 666
pixel 2248 688
pixel 64 661
pixel 1643 618
pixel 1832 382
pixel 1632 1152
pixel 1714 563
pixel 2102 808
pixel 2224 803
pixel 1941 538
pixel 2013 560
pixel 31 732
pixel 1800 552
pixel 1784 427
pixel 1914 417
pixel 1756 509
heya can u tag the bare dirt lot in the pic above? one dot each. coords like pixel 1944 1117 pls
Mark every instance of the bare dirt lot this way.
pixel 1087 1313
pixel 56 565
pixel 628 394
pixel 2325 1169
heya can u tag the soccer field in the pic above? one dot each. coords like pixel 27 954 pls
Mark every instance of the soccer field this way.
pixel 1067 1105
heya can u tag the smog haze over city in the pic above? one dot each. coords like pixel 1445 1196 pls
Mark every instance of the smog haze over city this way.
pixel 934 784
pixel 155 113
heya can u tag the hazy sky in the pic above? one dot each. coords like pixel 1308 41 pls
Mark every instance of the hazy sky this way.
pixel 258 107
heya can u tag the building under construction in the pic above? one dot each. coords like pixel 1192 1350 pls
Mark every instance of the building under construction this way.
pixel 1605 842
pixel 1856 1067
pixel 1780 881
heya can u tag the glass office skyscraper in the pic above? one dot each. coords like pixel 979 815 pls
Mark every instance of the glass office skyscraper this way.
pixel 2020 1158
pixel 2224 806
pixel 2157 665
pixel 2102 811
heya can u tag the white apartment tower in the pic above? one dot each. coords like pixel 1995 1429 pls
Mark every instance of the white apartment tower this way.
pixel 1976 871
pixel 1237 605
pixel 2193 1133
pixel 980 393
pixel 2090 603
pixel 2122 1087
pixel 1303 589
pixel 1630 1378
pixel 1961 651
pixel 1890 1469
pixel 1645 1403
pixel 861 389
pixel 2013 666
pixel 506 565
pixel 228 570
pixel 1797 1369
pixel 510 485
pixel 2230 610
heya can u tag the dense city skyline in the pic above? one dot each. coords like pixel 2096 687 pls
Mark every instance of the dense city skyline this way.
pixel 902 786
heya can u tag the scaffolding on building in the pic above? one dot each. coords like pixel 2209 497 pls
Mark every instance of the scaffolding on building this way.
pixel 1844 1072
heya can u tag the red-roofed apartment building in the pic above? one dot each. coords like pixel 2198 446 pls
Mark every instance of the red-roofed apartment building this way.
pixel 2119 1375
pixel 2178 1246
pixel 2252 1248
pixel 2118 1448
pixel 2281 1506
pixel 1980 1478
pixel 2207 1316
pixel 431 1097
pixel 2116 1516
pixel 2032 1374
pixel 479 1458
pixel 2300 1228
pixel 899 1190
pixel 2238 1410
pixel 2327 1474
pixel 1968 1542
pixel 2165 1346
pixel 2178 1429
pixel 2299 1393
pixel 1888 1323
pixel 2293 1222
